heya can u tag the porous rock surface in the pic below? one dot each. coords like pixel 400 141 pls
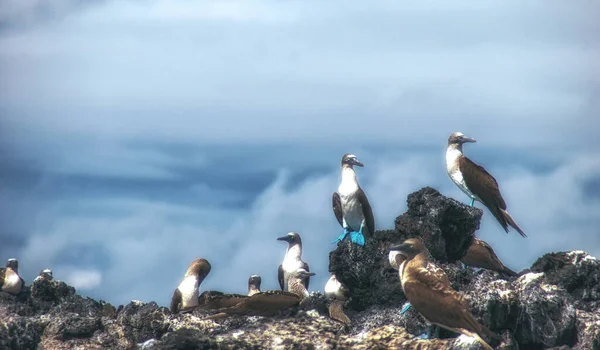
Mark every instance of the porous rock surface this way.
pixel 553 305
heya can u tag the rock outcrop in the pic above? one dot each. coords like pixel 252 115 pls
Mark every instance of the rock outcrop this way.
pixel 554 304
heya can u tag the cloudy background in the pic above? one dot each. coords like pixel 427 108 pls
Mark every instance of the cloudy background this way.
pixel 136 136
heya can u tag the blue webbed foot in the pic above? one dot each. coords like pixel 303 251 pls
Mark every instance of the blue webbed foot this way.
pixel 430 330
pixel 472 202
pixel 342 236
pixel 405 308
pixel 357 238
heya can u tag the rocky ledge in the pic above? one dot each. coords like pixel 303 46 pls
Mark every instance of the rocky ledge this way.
pixel 553 304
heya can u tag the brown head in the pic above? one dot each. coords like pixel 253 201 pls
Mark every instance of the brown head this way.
pixel 292 238
pixel 199 268
pixel 254 282
pixel 350 160
pixel 410 248
pixel 457 139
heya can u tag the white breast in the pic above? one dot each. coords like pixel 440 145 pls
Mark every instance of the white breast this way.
pixel 332 287
pixel 12 282
pixel 189 291
pixel 453 170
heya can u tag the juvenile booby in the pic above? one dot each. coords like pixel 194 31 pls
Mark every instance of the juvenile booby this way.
pixel 395 259
pixel 254 285
pixel 10 281
pixel 337 293
pixel 185 296
pixel 212 299
pixel 351 206
pixel 476 182
pixel 267 303
pixel 297 280
pixel 45 274
pixel 430 292
pixel 292 260
pixel 480 254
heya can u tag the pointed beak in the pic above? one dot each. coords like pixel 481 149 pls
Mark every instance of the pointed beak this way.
pixel 357 163
pixel 398 247
pixel 468 139
pixel 284 238
pixel 310 274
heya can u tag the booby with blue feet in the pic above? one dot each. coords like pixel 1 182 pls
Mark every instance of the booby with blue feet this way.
pixel 476 182
pixel 430 292
pixel 10 281
pixel 351 206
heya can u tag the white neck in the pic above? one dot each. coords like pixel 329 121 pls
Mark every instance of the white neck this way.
pixel 452 154
pixel 294 252
pixel 349 183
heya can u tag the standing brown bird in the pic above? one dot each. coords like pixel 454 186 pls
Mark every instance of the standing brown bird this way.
pixel 429 291
pixel 481 254
pixel 476 182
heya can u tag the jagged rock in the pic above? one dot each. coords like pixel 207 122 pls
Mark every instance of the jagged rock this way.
pixel 553 305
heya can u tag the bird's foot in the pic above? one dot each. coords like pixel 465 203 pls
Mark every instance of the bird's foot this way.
pixel 342 236
pixel 405 308
pixel 357 238
pixel 472 202
pixel 431 333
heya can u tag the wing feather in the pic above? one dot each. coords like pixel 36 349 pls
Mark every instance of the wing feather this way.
pixel 176 301
pixel 367 211
pixel 307 279
pixel 336 202
pixel 280 276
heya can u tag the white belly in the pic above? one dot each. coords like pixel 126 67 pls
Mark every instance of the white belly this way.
pixel 289 266
pixel 12 283
pixel 352 212
pixel 454 172
pixel 189 291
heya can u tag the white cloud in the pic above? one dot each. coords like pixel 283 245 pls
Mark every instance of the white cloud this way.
pixel 82 280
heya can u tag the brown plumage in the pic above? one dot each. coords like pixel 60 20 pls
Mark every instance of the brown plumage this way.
pixel 10 281
pixel 481 254
pixel 185 296
pixel 337 293
pixel 254 284
pixel 268 303
pixel 481 184
pixel 430 292
pixel 210 300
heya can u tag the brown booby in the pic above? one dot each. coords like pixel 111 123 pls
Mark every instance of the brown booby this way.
pixel 292 260
pixel 271 302
pixel 45 274
pixel 10 281
pixel 430 292
pixel 211 299
pixel 351 206
pixel 185 296
pixel 480 254
pixel 254 284
pixel 476 182
pixel 337 293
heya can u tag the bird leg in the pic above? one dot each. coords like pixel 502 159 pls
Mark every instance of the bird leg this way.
pixel 358 237
pixel 431 329
pixel 343 235
pixel 472 201
pixel 406 307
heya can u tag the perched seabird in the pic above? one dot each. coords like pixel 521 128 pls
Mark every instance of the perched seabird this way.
pixel 10 281
pixel 254 285
pixel 351 206
pixel 45 274
pixel 211 299
pixel 480 254
pixel 337 293
pixel 476 182
pixel 271 302
pixel 395 259
pixel 430 292
pixel 185 297
pixel 292 260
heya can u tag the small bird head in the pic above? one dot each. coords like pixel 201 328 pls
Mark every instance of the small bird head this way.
pixel 199 267
pixel 302 273
pixel 395 259
pixel 409 248
pixel 350 160
pixel 12 263
pixel 255 281
pixel 291 238
pixel 46 274
pixel 458 138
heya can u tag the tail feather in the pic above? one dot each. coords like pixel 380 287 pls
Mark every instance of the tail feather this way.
pixel 512 222
pixel 336 312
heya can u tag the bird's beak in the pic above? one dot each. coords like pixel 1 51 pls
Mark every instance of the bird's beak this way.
pixel 398 248
pixel 357 163
pixel 468 139
pixel 284 238
pixel 311 274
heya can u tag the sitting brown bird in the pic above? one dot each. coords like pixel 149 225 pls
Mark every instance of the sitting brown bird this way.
pixel 337 293
pixel 481 254
pixel 429 291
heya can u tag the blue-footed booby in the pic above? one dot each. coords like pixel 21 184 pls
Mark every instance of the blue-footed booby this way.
pixel 292 260
pixel 45 274
pixel 10 281
pixel 430 292
pixel 481 254
pixel 476 182
pixel 337 293
pixel 351 206
pixel 254 285
pixel 185 296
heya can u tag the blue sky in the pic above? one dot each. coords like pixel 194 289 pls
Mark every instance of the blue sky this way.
pixel 137 136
